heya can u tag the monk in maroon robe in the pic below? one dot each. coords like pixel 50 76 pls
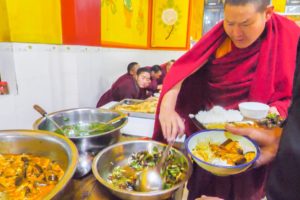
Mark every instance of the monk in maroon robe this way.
pixel 131 72
pixel 133 87
pixel 156 73
pixel 250 56
pixel 165 68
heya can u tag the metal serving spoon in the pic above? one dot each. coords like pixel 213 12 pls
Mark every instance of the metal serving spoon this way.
pixel 150 179
pixel 44 114
pixel 110 122
pixel 85 158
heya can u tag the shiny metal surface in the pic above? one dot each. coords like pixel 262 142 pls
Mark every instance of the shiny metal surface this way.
pixel 118 154
pixel 150 179
pixel 88 146
pixel 43 143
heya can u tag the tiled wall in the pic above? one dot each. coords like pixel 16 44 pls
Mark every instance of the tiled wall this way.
pixel 59 77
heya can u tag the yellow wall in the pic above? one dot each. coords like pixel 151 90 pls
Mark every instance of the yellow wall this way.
pixel 34 21
pixel 4 26
pixel 124 24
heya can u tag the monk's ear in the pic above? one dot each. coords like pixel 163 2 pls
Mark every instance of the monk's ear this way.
pixel 269 11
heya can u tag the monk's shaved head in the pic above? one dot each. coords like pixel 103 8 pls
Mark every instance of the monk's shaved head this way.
pixel 131 66
pixel 261 5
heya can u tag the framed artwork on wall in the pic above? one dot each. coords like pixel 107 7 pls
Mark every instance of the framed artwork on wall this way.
pixel 125 23
pixel 170 24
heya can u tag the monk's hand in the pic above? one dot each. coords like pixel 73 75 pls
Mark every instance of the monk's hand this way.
pixel 267 139
pixel 203 197
pixel 171 124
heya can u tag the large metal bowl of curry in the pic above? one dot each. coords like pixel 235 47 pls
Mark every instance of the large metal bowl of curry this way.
pixel 57 148
pixel 118 155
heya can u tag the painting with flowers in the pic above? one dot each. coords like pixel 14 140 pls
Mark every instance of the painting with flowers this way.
pixel 124 23
pixel 170 20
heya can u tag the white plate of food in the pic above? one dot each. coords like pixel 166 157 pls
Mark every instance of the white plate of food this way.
pixel 221 152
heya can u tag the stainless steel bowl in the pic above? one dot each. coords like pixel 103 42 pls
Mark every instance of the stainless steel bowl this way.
pixel 117 155
pixel 88 146
pixel 43 143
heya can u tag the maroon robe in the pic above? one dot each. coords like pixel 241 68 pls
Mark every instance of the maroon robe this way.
pixel 216 71
pixel 153 85
pixel 124 88
pixel 163 73
pixel 262 72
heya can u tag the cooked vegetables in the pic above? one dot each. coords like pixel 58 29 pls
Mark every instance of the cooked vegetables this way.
pixel 27 177
pixel 229 153
pixel 148 106
pixel 271 121
pixel 124 177
pixel 78 130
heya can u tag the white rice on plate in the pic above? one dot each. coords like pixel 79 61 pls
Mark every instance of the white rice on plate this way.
pixel 218 115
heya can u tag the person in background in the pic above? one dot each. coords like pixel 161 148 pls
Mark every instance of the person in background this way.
pixel 156 72
pixel 250 56
pixel 134 88
pixel 131 71
pixel 169 65
pixel 165 69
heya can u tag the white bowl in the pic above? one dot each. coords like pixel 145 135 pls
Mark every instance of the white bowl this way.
pixel 218 137
pixel 254 110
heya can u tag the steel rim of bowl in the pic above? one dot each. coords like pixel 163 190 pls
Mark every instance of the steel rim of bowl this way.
pixel 115 189
pixel 68 174
pixel 39 120
pixel 221 166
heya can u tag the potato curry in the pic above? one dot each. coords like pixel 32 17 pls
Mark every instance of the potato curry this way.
pixel 144 107
pixel 27 177
pixel 229 151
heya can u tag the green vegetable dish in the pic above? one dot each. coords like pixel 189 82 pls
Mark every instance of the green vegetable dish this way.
pixel 124 177
pixel 78 130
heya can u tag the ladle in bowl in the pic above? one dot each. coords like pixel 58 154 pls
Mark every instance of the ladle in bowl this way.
pixel 44 114
pixel 110 122
pixel 150 179
pixel 85 158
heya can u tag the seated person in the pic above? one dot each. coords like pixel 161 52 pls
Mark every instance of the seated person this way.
pixel 129 88
pixel 156 72
pixel 165 69
pixel 131 71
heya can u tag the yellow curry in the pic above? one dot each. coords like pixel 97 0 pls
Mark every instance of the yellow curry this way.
pixel 27 177
pixel 144 107
pixel 229 151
